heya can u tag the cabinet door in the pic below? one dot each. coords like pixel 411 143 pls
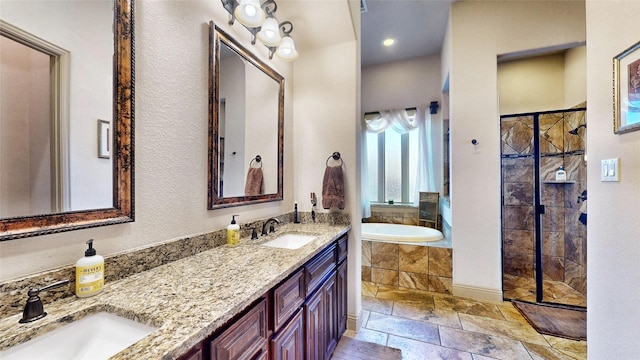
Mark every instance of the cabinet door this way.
pixel 341 289
pixel 289 343
pixel 245 339
pixel 196 353
pixel 314 326
pixel 331 316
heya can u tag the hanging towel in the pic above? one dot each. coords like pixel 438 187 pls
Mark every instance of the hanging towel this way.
pixel 255 182
pixel 333 188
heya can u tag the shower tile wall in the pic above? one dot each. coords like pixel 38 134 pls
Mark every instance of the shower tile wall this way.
pixel 564 237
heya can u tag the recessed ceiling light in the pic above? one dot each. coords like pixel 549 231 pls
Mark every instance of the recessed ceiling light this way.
pixel 388 42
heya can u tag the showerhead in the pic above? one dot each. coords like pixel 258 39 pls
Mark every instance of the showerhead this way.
pixel 575 131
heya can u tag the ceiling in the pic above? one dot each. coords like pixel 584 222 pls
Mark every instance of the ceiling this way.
pixel 417 25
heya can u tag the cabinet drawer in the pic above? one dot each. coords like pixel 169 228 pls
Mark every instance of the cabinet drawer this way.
pixel 318 268
pixel 287 298
pixel 342 248
pixel 246 338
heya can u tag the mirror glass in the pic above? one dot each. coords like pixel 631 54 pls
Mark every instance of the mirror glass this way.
pixel 66 115
pixel 246 126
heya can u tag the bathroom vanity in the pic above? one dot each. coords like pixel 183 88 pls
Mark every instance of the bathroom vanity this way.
pixel 250 301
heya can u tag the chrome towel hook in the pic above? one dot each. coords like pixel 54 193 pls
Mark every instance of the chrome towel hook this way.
pixel 257 159
pixel 336 156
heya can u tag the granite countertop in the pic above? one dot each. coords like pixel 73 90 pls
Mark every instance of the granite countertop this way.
pixel 187 299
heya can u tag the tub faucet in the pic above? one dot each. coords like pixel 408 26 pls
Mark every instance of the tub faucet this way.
pixel 271 228
pixel 33 309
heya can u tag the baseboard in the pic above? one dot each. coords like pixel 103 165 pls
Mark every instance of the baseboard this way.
pixel 477 293
pixel 354 322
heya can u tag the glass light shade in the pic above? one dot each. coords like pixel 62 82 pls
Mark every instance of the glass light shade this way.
pixel 249 13
pixel 270 33
pixel 287 49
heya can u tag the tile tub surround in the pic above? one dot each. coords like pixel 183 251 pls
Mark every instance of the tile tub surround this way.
pixel 407 266
pixel 187 298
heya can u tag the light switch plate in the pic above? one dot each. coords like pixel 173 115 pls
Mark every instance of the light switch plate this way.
pixel 610 170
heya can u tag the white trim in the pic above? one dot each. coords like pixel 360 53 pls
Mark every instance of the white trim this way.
pixel 354 322
pixel 477 293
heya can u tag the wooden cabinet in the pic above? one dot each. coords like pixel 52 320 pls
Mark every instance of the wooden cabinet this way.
pixel 314 315
pixel 341 297
pixel 196 353
pixel 331 316
pixel 288 297
pixel 317 269
pixel 246 338
pixel 288 344
pixel 302 318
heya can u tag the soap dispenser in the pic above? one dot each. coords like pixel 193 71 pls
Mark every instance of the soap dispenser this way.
pixel 89 273
pixel 233 232
pixel 561 175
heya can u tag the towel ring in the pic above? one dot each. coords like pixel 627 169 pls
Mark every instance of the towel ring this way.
pixel 257 159
pixel 336 157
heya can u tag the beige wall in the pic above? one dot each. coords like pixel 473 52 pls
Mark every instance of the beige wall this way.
pixel 480 31
pixel 540 83
pixel 575 76
pixel 401 84
pixel 613 277
pixel 326 121
pixel 531 84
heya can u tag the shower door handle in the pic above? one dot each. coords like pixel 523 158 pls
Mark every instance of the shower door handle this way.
pixel 541 209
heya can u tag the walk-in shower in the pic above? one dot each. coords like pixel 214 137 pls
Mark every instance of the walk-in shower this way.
pixel 543 234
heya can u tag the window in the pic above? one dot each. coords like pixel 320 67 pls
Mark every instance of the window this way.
pixel 392 165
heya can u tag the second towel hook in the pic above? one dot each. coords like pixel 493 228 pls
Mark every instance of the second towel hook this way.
pixel 257 159
pixel 335 156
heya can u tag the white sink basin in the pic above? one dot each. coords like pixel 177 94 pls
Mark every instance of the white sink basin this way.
pixel 97 336
pixel 290 241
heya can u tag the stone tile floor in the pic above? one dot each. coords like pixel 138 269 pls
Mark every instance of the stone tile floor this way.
pixel 522 288
pixel 427 325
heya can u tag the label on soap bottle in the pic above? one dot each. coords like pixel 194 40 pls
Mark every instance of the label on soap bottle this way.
pixel 89 279
pixel 233 237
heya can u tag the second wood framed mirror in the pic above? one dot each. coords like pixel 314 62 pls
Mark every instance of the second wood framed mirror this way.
pixel 246 125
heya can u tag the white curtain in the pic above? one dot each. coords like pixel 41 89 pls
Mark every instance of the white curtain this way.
pixel 425 180
pixel 401 122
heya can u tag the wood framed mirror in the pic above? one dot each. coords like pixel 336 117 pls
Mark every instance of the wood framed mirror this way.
pixel 107 139
pixel 246 126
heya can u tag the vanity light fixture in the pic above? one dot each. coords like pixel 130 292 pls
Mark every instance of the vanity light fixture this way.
pixel 249 13
pixel 260 20
pixel 287 49
pixel 388 42
pixel 269 33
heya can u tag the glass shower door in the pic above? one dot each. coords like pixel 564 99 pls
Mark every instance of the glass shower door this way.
pixel 560 235
pixel 543 239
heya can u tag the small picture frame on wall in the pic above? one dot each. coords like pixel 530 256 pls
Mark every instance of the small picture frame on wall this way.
pixel 626 90
pixel 104 139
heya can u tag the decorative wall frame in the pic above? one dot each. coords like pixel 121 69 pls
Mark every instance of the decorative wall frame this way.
pixel 104 139
pixel 626 90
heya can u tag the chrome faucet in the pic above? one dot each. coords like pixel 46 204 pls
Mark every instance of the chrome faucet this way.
pixel 271 228
pixel 33 309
